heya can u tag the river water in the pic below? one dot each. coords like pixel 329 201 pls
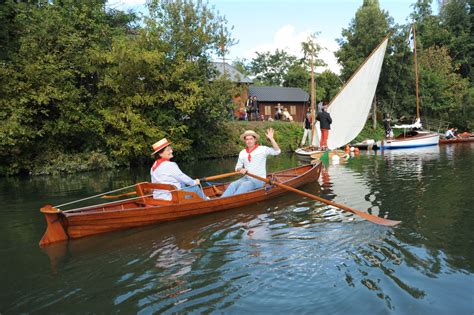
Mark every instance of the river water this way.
pixel 287 255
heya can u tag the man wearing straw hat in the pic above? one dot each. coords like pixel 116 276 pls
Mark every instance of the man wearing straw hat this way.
pixel 164 171
pixel 252 159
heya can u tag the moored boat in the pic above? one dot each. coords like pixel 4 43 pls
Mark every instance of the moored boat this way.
pixel 144 210
pixel 368 144
pixel 411 139
pixel 306 152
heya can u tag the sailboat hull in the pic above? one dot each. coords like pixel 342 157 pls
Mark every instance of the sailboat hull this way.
pixel 306 152
pixel 420 139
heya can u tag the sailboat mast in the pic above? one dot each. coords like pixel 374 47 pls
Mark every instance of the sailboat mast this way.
pixel 313 116
pixel 416 74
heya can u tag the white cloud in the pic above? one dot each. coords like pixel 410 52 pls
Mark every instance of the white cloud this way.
pixel 125 4
pixel 287 39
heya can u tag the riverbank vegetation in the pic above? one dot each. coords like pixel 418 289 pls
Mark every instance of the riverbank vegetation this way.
pixel 84 86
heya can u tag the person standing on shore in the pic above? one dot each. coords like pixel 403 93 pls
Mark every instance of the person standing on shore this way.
pixel 325 121
pixel 307 129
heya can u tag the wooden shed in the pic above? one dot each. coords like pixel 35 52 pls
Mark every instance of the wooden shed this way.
pixel 296 100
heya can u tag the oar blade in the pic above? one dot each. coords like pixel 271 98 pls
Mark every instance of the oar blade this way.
pixel 375 219
pixel 365 215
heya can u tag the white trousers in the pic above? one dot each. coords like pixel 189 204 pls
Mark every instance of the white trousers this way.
pixel 306 134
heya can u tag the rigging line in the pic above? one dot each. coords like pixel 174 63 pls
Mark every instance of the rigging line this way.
pixel 95 196
pixel 108 203
pixel 112 202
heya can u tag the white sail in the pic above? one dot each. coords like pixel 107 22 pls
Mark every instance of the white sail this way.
pixel 350 108
pixel 315 139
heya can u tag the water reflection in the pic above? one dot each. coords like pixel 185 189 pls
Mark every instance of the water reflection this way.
pixel 408 163
pixel 424 186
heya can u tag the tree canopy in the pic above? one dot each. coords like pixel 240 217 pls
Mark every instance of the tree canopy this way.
pixel 79 77
pixel 82 82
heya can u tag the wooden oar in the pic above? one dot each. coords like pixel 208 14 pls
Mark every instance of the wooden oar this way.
pixel 206 179
pixel 118 196
pixel 365 215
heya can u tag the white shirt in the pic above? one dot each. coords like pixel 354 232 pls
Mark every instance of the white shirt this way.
pixel 449 133
pixel 258 160
pixel 168 173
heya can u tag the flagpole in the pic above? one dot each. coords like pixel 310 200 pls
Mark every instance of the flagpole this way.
pixel 416 74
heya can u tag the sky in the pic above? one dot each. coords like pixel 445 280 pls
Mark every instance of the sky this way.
pixel 267 25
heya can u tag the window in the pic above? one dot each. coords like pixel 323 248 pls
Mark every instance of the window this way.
pixel 292 110
pixel 268 110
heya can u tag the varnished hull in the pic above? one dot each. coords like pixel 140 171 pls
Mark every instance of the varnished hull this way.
pixel 129 214
pixel 456 140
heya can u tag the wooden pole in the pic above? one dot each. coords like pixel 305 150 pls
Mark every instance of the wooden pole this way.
pixel 374 113
pixel 416 74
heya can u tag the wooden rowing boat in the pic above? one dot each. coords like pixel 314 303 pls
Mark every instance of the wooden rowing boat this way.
pixel 144 210
pixel 456 140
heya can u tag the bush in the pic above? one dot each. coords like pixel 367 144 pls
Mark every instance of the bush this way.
pixel 287 134
pixel 370 133
pixel 58 162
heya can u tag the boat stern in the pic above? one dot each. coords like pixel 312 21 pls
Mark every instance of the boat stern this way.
pixel 55 230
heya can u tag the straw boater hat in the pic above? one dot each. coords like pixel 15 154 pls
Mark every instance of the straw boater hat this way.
pixel 163 143
pixel 249 133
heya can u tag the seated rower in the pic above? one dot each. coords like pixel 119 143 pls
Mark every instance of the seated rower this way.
pixel 252 159
pixel 449 133
pixel 388 129
pixel 164 171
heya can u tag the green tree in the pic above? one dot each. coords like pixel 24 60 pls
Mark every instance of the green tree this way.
pixel 428 26
pixel 46 101
pixel 242 66
pixel 191 108
pixel 443 89
pixel 396 88
pixel 328 85
pixel 8 29
pixel 366 30
pixel 449 33
pixel 271 68
pixel 297 76
pixel 457 17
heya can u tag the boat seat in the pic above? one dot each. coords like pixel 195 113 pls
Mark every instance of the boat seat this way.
pixel 145 190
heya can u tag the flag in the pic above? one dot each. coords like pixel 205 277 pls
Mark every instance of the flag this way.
pixel 410 39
